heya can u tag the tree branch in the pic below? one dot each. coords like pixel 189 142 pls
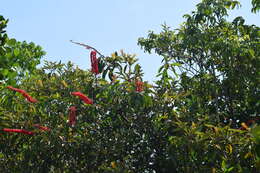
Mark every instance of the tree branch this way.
pixel 87 47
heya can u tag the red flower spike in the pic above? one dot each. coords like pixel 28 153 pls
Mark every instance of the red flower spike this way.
pixel 83 97
pixel 29 98
pixel 72 115
pixel 139 86
pixel 24 93
pixel 94 62
pixel 44 128
pixel 18 131
pixel 15 89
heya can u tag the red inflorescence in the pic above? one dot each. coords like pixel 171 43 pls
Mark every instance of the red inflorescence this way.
pixel 139 86
pixel 18 131
pixel 72 115
pixel 44 128
pixel 24 93
pixel 94 62
pixel 83 97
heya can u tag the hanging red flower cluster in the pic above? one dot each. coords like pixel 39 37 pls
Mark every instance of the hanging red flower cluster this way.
pixel 139 86
pixel 83 97
pixel 72 115
pixel 72 109
pixel 26 131
pixel 18 131
pixel 94 62
pixel 32 100
pixel 24 93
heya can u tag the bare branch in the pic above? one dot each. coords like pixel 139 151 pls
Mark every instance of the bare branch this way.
pixel 88 47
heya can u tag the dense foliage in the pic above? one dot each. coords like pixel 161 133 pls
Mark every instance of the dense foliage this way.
pixel 17 58
pixel 216 61
pixel 201 114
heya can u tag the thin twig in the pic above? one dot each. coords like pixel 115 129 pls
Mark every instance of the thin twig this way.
pixel 88 47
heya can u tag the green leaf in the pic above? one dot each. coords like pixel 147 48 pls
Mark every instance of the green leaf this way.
pixel 176 64
pixel 256 133
pixel 160 69
pixel 251 52
pixel 5 72
pixel 16 52
pixel 105 73
pixel 230 169
pixel 11 42
pixel 223 164
pixel 125 67
pixel 110 75
pixel 137 68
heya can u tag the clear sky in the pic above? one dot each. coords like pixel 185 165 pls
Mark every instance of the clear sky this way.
pixel 108 25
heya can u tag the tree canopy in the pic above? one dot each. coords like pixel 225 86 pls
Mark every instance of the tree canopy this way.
pixel 215 60
pixel 201 115
pixel 17 59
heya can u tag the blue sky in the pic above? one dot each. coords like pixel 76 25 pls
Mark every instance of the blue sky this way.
pixel 107 25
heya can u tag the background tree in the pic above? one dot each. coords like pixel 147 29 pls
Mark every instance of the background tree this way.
pixel 17 59
pixel 216 62
pixel 256 5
